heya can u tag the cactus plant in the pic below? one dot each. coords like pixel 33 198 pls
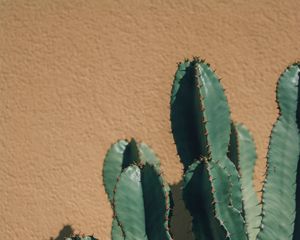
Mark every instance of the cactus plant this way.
pixel 140 197
pixel 279 190
pixel 218 158
pixel 218 165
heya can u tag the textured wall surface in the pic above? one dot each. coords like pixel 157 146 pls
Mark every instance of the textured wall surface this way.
pixel 77 75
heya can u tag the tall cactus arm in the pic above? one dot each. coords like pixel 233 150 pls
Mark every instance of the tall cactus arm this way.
pixel 185 119
pixel 215 110
pixel 279 190
pixel 242 153
pixel 198 197
pixel 297 220
pixel 200 117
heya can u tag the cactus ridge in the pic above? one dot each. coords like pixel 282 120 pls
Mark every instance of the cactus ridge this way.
pixel 243 154
pixel 279 191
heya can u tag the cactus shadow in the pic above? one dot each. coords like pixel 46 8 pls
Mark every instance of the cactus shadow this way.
pixel 181 223
pixel 66 231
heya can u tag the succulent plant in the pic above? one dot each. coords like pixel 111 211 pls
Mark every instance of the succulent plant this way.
pixel 280 198
pixel 140 197
pixel 219 158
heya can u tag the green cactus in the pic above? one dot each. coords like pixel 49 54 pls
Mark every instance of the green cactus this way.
pixel 140 197
pixel 219 193
pixel 200 120
pixel 83 237
pixel 279 190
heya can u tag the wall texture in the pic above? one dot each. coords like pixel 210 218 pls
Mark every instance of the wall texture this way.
pixel 76 76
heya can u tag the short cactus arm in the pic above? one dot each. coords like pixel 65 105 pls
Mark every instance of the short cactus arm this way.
pixel 142 203
pixel 279 190
pixel 243 155
pixel 141 199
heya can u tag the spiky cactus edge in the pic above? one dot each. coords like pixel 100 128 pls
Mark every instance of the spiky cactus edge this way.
pixel 223 205
pixel 281 186
pixel 140 198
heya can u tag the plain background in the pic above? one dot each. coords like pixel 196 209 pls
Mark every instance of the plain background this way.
pixel 75 76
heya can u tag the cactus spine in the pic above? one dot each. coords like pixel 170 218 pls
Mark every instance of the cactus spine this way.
pixel 140 197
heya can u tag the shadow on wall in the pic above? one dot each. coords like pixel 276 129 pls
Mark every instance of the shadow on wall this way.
pixel 181 223
pixel 66 231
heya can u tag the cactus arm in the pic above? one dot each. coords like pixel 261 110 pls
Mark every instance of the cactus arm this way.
pixel 242 152
pixel 129 204
pixel 217 125
pixel 279 190
pixel 116 230
pixel 198 199
pixel 112 168
pixel 156 194
pixel 215 110
pixel 184 117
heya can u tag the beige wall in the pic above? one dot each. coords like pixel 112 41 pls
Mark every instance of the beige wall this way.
pixel 77 75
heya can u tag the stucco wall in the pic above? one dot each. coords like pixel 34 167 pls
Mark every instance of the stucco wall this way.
pixel 76 76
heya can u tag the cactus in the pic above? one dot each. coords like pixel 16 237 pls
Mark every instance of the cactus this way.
pixel 219 192
pixel 200 120
pixel 140 198
pixel 83 237
pixel 279 190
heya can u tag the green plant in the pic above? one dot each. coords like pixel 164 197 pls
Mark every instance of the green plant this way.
pixel 219 157
pixel 140 198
